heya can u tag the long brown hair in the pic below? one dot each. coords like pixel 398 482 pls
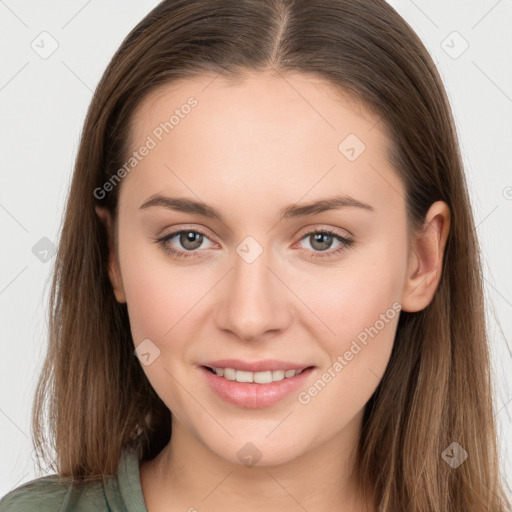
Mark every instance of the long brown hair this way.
pixel 437 386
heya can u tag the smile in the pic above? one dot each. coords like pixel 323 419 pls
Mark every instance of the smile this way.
pixel 263 377
pixel 253 390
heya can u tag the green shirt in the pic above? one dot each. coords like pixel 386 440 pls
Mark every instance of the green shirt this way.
pixel 119 493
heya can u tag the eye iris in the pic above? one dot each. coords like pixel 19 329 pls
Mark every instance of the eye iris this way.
pixel 321 237
pixel 190 237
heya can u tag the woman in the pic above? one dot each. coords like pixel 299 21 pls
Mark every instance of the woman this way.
pixel 267 293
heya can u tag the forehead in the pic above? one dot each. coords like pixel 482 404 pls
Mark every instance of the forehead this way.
pixel 263 133
pixel 264 97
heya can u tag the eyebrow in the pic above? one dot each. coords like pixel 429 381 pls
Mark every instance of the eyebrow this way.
pixel 186 205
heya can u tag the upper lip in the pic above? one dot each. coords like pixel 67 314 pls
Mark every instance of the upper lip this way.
pixel 256 366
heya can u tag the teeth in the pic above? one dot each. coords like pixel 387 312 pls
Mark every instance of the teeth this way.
pixel 229 373
pixel 277 375
pixel 265 377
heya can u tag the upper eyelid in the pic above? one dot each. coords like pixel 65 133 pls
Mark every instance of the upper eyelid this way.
pixel 173 232
pixel 304 231
pixel 334 231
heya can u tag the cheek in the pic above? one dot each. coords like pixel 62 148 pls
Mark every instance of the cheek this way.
pixel 160 301
pixel 350 296
pixel 357 308
pixel 155 292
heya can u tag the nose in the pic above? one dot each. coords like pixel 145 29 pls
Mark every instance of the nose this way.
pixel 253 300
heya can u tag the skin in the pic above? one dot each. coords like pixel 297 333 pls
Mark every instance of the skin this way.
pixel 249 149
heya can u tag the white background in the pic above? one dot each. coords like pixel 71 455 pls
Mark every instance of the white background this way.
pixel 42 108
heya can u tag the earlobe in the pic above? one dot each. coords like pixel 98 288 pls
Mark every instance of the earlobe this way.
pixel 114 275
pixel 114 272
pixel 425 263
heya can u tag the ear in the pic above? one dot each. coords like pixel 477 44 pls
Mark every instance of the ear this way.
pixel 114 272
pixel 425 263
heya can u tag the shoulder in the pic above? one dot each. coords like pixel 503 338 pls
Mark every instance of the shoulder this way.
pixel 54 494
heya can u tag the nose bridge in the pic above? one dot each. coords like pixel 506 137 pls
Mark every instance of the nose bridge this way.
pixel 253 300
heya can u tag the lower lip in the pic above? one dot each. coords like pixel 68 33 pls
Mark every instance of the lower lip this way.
pixel 251 395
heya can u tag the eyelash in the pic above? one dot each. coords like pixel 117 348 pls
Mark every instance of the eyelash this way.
pixel 345 243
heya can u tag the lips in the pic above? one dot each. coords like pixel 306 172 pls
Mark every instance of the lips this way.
pixel 254 395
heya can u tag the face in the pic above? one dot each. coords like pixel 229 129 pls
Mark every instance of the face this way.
pixel 264 279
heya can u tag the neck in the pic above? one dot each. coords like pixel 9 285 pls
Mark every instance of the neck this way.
pixel 188 475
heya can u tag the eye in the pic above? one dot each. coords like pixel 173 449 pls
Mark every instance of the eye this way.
pixel 322 240
pixel 190 239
